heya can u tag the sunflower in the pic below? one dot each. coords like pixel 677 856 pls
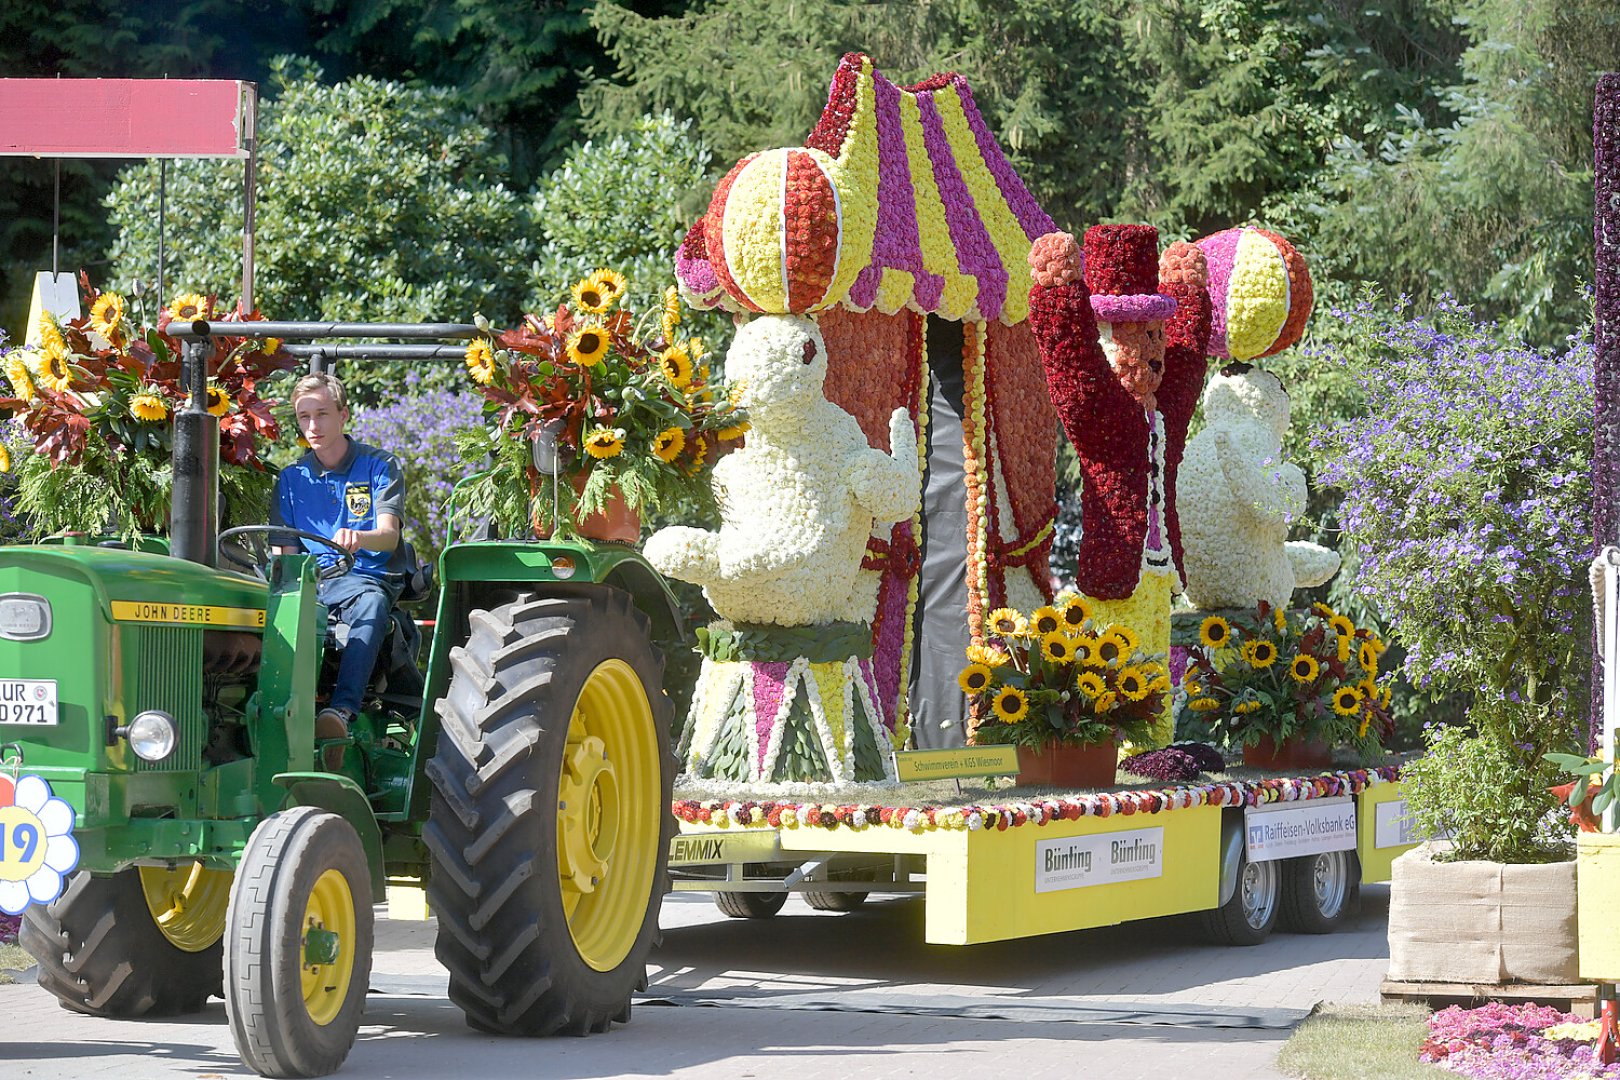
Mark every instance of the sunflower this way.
pixel 1075 612
pixel 604 442
pixel 1085 651
pixel 148 406
pixel 989 657
pixel 54 371
pixel 1343 649
pixel 1342 626
pixel 1203 704
pixel 1116 645
pixel 1133 684
pixel 1323 610
pixel 1304 669
pixel 1005 622
pixel 676 364
pixel 735 431
pixel 1244 708
pixel 1214 631
pixel 1368 655
pixel 1090 684
pixel 1128 641
pixel 1384 696
pixel 1046 620
pixel 1011 705
pixel 1107 652
pixel 22 383
pixel 1279 619
pixel 1106 701
pixel 219 402
pixel 590 297
pixel 1259 654
pixel 587 346
pixel 481 361
pixel 672 312
pixel 189 306
pixel 106 313
pixel 669 444
pixel 1057 647
pixel 1369 689
pixel 975 679
pixel 609 282
pixel 1346 700
pixel 1366 722
pixel 50 334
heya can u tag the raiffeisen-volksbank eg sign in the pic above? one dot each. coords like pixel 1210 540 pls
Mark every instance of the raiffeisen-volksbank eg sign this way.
pixel 1308 828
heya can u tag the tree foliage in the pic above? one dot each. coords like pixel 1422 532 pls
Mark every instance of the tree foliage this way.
pixel 376 202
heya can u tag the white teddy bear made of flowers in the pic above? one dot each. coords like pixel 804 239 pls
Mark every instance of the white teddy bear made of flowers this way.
pixel 798 501
pixel 1237 497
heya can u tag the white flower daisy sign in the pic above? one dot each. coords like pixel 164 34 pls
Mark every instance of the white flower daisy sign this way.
pixel 36 843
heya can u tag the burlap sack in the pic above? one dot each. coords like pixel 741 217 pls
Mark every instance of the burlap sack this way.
pixel 1481 922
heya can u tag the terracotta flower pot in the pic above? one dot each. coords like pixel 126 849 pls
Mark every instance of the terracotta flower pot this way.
pixel 1064 765
pixel 1295 752
pixel 615 522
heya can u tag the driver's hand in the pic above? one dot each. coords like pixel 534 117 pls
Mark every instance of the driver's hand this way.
pixel 347 539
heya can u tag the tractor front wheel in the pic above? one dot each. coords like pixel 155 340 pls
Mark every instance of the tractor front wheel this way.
pixel 550 820
pixel 142 942
pixel 300 935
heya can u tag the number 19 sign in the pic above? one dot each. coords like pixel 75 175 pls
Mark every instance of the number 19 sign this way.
pixel 36 843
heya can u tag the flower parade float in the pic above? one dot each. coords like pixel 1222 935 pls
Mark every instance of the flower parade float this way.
pixel 893 256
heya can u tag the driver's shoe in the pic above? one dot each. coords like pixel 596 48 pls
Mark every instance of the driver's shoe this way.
pixel 333 723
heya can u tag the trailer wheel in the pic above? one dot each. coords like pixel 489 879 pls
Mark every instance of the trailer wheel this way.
pixel 102 952
pixel 1320 892
pixel 749 905
pixel 300 936
pixel 835 901
pixel 550 820
pixel 1250 915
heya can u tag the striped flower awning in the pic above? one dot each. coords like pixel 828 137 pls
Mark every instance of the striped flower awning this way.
pixel 901 198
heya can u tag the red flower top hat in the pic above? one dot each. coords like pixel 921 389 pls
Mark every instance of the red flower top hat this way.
pixel 1122 273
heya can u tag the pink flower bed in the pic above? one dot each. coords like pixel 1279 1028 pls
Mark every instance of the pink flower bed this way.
pixel 1505 1042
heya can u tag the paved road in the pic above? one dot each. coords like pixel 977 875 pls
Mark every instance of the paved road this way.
pixel 809 994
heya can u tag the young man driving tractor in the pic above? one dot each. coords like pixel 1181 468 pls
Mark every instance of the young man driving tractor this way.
pixel 355 495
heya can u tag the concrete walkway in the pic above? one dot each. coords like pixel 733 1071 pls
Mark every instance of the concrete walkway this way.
pixel 810 994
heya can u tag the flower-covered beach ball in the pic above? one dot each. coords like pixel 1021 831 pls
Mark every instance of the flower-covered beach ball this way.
pixel 774 229
pixel 1261 291
pixel 36 843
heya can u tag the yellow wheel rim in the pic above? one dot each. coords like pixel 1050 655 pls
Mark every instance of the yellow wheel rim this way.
pixel 188 903
pixel 327 965
pixel 608 815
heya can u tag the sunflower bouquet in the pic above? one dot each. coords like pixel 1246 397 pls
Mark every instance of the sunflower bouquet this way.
pixel 1312 675
pixel 627 403
pixel 93 402
pixel 1057 676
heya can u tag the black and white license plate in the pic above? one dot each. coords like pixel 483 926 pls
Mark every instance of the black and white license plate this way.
pixel 29 702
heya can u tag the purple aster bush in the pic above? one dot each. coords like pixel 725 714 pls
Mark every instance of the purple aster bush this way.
pixel 420 429
pixel 1467 501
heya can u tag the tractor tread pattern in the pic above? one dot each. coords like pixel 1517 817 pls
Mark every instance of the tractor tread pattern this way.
pixel 487 832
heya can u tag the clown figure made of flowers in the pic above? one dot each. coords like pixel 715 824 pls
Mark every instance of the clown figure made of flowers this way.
pixel 1122 334
pixel 1239 497
pixel 787 693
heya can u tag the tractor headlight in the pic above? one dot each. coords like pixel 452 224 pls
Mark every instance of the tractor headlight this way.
pixel 153 735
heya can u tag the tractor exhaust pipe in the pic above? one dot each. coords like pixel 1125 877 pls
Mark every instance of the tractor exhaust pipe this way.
pixel 194 508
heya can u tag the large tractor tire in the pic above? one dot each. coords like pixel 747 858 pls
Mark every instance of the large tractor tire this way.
pixel 143 942
pixel 298 961
pixel 550 820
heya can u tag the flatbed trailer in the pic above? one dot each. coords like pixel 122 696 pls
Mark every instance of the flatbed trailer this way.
pixel 1248 853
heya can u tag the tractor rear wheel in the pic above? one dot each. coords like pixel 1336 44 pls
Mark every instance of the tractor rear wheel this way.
pixel 300 931
pixel 550 821
pixel 106 948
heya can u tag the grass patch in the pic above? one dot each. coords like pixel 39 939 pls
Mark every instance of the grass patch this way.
pixel 1360 1042
pixel 13 958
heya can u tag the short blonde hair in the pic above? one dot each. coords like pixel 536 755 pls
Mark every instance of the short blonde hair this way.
pixel 314 384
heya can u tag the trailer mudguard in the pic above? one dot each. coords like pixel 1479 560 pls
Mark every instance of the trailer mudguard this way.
pixel 343 797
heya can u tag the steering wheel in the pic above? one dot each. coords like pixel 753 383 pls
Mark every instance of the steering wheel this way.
pixel 253 555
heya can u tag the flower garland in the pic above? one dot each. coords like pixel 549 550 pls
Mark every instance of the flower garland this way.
pixel 745 813
pixel 976 476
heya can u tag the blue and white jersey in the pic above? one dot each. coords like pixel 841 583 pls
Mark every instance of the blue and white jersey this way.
pixel 312 498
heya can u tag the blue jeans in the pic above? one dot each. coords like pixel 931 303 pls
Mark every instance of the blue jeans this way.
pixel 362 602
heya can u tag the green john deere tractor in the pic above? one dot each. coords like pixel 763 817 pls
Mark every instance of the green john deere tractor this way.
pixel 527 785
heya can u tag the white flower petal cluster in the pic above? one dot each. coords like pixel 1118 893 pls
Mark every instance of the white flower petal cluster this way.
pixel 1236 497
pixel 799 500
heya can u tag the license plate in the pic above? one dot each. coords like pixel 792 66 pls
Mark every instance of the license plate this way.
pixel 29 702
